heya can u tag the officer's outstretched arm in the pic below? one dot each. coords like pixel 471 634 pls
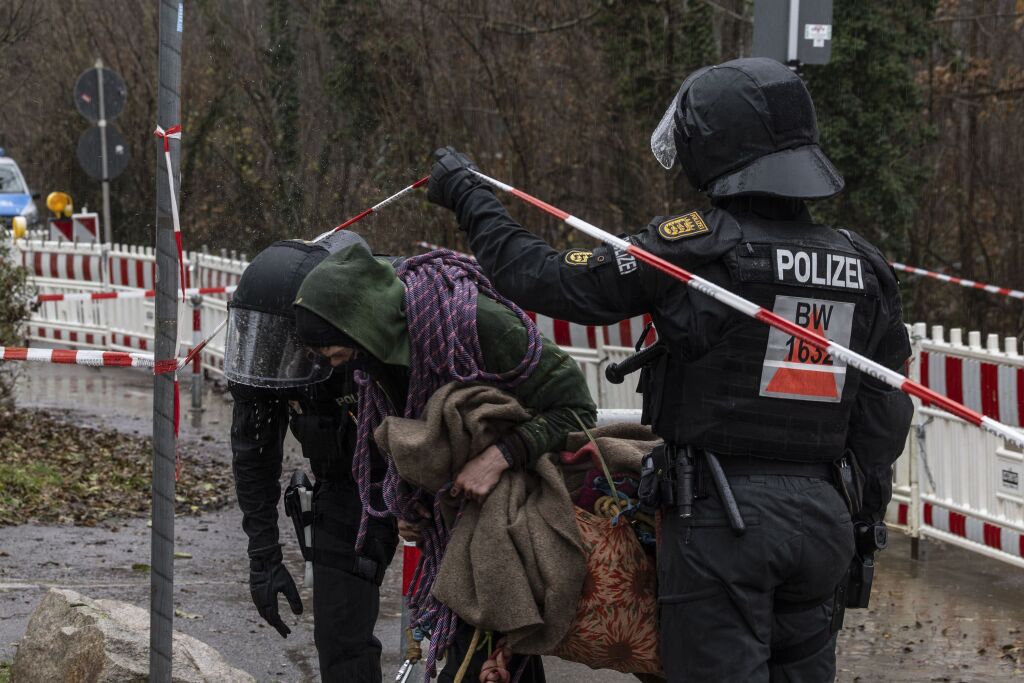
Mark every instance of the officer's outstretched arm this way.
pixel 258 424
pixel 596 287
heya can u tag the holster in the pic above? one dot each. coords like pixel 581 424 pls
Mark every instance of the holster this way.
pixel 869 539
pixel 300 511
pixel 657 479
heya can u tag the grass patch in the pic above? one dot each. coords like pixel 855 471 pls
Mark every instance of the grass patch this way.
pixel 5 672
pixel 55 472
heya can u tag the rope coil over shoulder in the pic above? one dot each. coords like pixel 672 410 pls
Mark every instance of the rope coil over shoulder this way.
pixel 441 289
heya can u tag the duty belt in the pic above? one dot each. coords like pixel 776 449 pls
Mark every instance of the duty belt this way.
pixel 738 466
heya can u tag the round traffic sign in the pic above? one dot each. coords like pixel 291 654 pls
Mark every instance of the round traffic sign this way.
pixel 87 94
pixel 90 158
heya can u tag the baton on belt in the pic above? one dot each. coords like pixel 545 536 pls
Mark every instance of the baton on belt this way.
pixel 616 372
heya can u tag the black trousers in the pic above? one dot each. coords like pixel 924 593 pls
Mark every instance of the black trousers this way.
pixel 534 672
pixel 746 608
pixel 345 606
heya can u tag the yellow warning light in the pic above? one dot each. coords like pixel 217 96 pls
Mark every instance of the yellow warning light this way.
pixel 60 203
pixel 19 227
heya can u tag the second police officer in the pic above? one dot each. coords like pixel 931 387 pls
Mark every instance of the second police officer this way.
pixel 753 592
pixel 277 383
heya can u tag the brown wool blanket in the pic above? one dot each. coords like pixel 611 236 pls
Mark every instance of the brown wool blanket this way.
pixel 515 564
pixel 623 447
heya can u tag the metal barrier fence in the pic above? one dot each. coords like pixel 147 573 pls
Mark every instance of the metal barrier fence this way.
pixel 127 324
pixel 120 324
pixel 954 482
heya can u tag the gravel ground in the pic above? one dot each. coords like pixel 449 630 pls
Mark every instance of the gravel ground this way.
pixel 951 616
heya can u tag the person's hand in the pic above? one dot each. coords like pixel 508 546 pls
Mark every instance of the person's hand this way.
pixel 412 531
pixel 451 178
pixel 480 475
pixel 268 577
pixel 495 669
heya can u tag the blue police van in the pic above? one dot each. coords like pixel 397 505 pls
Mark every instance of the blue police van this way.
pixel 16 199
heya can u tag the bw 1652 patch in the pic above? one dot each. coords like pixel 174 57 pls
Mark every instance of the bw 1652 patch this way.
pixel 797 370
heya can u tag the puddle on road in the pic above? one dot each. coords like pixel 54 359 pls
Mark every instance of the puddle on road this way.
pixel 120 398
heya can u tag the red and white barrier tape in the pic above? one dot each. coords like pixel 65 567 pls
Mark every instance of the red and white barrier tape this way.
pixel 376 207
pixel 970 284
pixel 166 135
pixel 118 359
pixel 750 309
pixel 128 294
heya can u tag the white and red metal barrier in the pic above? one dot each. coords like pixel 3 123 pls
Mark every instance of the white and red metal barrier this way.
pixel 99 296
pixel 955 483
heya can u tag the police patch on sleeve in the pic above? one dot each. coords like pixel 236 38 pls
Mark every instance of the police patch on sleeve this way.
pixel 687 225
pixel 625 261
pixel 578 257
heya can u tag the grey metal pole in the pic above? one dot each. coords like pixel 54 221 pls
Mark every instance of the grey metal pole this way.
pixel 107 232
pixel 161 618
pixel 197 362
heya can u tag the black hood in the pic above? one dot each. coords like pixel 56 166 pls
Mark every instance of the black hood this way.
pixel 748 127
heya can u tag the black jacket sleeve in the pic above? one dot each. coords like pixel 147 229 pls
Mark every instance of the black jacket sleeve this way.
pixel 259 421
pixel 881 416
pixel 596 287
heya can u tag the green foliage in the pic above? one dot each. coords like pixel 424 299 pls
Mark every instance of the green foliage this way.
pixel 870 115
pixel 651 45
pixel 14 298
pixel 353 80
pixel 284 91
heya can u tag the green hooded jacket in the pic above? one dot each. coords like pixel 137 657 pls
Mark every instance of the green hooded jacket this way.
pixel 363 297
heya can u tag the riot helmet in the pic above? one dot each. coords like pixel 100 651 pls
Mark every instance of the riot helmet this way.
pixel 262 348
pixel 746 127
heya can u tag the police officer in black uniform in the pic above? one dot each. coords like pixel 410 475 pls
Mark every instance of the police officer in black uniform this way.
pixel 276 382
pixel 753 568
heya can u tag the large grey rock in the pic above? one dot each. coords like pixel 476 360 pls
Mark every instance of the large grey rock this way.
pixel 75 639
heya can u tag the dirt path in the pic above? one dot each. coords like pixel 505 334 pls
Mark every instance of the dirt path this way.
pixel 953 616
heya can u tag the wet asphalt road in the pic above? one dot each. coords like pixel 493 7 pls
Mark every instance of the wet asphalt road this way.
pixel 952 616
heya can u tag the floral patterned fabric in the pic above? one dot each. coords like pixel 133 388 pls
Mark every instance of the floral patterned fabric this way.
pixel 616 624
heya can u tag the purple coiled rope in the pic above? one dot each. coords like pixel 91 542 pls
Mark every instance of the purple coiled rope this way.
pixel 441 289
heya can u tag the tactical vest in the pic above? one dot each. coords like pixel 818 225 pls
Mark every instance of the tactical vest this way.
pixel 755 391
pixel 321 417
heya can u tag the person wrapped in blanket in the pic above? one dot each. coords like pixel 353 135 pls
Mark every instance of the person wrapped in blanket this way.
pixel 356 310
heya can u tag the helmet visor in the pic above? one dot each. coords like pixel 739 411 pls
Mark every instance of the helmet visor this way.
pixel 663 140
pixel 263 350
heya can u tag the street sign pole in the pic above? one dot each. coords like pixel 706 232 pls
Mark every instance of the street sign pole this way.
pixel 161 615
pixel 792 47
pixel 102 123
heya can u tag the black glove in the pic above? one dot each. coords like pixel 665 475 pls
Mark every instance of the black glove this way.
pixel 267 578
pixel 451 179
